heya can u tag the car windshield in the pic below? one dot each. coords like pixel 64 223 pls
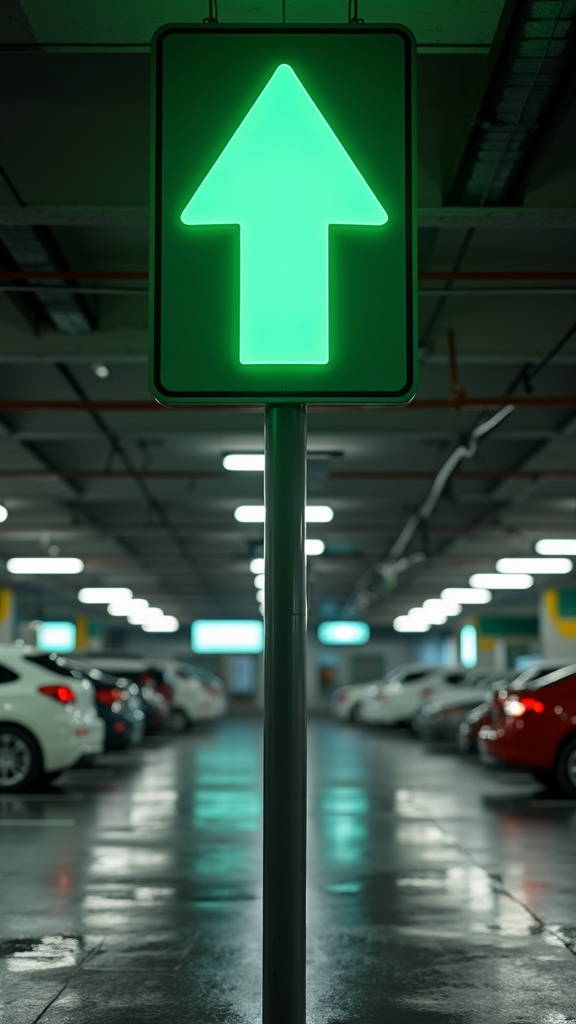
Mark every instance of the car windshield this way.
pixel 413 677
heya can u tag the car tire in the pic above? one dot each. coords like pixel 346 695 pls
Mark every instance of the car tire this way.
pixel 179 721
pixel 20 759
pixel 565 770
pixel 354 714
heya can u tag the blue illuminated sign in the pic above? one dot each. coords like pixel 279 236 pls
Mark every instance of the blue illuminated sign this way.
pixel 347 633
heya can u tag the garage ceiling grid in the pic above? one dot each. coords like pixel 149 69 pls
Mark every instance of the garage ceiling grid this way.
pixel 139 493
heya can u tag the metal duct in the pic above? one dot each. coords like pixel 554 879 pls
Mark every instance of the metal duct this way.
pixel 32 249
pixel 531 82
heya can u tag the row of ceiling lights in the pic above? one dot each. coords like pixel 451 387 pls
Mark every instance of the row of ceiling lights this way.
pixel 122 603
pixel 511 574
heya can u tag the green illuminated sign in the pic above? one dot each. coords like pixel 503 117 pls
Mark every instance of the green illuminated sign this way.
pixel 282 247
pixel 284 177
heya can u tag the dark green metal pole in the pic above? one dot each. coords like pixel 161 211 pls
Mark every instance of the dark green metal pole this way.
pixel 284 893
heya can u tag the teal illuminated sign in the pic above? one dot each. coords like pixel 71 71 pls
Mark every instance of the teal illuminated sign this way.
pixel 227 636
pixel 346 633
pixel 283 257
pixel 56 637
pixel 284 178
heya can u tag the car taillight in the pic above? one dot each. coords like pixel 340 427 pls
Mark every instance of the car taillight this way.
pixel 107 695
pixel 63 694
pixel 214 689
pixel 381 696
pixel 515 707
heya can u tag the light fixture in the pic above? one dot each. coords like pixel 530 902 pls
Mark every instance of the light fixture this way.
pixel 534 565
pixel 151 615
pixel 56 637
pixel 103 595
pixel 227 636
pixel 260 596
pixel 502 581
pixel 314 547
pixel 101 371
pixel 343 633
pixel 469 646
pixel 244 463
pixel 466 595
pixel 408 624
pixel 257 565
pixel 256 514
pixel 3 513
pixel 442 607
pixel 45 566
pixel 319 514
pixel 167 624
pixel 118 608
pixel 435 616
pixel 259 581
pixel 249 514
pixel 554 547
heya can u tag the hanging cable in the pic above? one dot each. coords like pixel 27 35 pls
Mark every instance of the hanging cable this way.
pixel 212 18
pixel 396 562
pixel 353 18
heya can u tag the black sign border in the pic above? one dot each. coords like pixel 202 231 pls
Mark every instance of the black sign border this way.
pixel 260 397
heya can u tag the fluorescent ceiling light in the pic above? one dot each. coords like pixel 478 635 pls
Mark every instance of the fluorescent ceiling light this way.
pixel 314 547
pixel 260 596
pixel 256 514
pixel 167 624
pixel 440 607
pixel 100 370
pixel 534 565
pixel 103 595
pixel 152 615
pixel 257 565
pixel 45 566
pixel 3 513
pixel 556 547
pixel 227 636
pixel 138 604
pixel 319 514
pixel 466 595
pixel 502 581
pixel 249 514
pixel 343 633
pixel 435 616
pixel 119 608
pixel 259 581
pixel 408 624
pixel 239 463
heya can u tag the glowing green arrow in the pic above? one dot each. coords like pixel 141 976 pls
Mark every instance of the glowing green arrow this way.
pixel 284 178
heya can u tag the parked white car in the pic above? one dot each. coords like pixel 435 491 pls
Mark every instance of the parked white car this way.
pixel 47 723
pixel 199 695
pixel 398 697
pixel 345 701
pixel 194 694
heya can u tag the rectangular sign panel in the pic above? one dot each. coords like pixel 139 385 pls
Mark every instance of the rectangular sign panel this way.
pixel 283 255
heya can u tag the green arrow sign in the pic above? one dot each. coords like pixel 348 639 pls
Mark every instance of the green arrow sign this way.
pixel 284 177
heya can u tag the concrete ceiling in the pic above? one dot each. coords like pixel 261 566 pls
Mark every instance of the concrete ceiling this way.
pixel 74 158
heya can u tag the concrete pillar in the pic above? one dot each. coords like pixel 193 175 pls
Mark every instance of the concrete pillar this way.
pixel 7 615
pixel 557 624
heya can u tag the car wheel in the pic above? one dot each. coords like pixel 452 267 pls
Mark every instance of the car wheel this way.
pixel 354 714
pixel 565 771
pixel 180 721
pixel 20 760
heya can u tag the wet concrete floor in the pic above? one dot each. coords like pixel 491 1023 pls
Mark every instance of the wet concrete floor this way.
pixel 439 891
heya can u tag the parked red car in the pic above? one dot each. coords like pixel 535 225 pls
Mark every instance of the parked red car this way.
pixel 534 727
